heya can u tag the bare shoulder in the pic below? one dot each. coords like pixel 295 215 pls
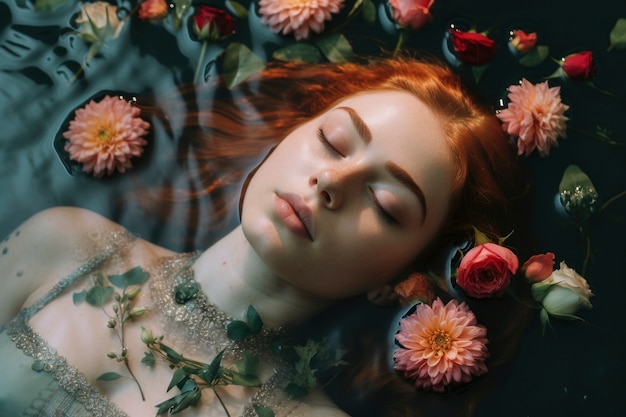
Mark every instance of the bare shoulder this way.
pixel 45 248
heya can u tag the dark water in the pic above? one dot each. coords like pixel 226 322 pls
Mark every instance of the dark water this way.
pixel 574 369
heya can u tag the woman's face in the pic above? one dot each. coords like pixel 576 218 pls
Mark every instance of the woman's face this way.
pixel 347 200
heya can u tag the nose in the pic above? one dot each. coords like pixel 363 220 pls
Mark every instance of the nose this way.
pixel 332 184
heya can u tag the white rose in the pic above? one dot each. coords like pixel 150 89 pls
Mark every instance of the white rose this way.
pixel 104 22
pixel 563 292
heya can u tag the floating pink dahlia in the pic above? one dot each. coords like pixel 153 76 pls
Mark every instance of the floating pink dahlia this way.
pixel 535 115
pixel 441 344
pixel 298 16
pixel 105 135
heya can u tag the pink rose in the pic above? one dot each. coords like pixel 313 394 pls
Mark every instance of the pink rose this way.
pixel 523 42
pixel 486 270
pixel 539 267
pixel 473 48
pixel 412 14
pixel 580 66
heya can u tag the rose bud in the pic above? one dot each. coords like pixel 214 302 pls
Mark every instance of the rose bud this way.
pixel 580 66
pixel 213 24
pixel 473 48
pixel 411 14
pixel 522 42
pixel 153 10
pixel 539 267
pixel 563 293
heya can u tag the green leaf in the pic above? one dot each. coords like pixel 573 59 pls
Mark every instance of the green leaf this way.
pixel 240 63
pixel 480 238
pixel 97 296
pixel 134 276
pixel 212 373
pixel 248 365
pixel 535 57
pixel 263 411
pixel 478 72
pixel 237 9
pixel 254 320
pixel 238 330
pixel 295 391
pixel 79 297
pixel 109 376
pixel 166 405
pixel 188 399
pixel 618 35
pixel 172 355
pixel 180 375
pixel 336 48
pixel 48 5
pixel 298 52
pixel 148 359
pixel 369 12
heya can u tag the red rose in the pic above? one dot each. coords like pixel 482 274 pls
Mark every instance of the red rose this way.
pixel 580 66
pixel 213 24
pixel 486 270
pixel 412 14
pixel 472 47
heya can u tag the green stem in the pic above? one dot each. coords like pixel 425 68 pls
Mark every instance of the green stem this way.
pixel 401 38
pixel 602 138
pixel 612 200
pixel 221 402
pixel 587 240
pixel 200 60
pixel 143 397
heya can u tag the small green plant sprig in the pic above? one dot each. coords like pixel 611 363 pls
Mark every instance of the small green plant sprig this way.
pixel 122 310
pixel 192 376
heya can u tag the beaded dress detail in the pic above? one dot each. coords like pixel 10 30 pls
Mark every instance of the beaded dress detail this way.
pixel 52 387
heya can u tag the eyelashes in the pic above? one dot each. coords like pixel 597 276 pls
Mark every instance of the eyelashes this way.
pixel 322 138
pixel 378 208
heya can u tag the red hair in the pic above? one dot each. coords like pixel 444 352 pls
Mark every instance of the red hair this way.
pixel 242 124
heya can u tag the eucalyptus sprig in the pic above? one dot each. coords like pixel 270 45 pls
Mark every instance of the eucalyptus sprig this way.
pixel 122 310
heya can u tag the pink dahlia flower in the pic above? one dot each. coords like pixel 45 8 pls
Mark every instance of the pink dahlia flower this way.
pixel 298 16
pixel 535 115
pixel 441 344
pixel 105 135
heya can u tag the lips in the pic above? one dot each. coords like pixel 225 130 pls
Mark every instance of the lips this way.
pixel 295 214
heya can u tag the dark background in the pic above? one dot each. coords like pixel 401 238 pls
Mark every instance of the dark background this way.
pixel 573 369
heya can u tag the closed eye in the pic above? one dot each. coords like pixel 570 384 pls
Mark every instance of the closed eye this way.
pixel 322 138
pixel 381 212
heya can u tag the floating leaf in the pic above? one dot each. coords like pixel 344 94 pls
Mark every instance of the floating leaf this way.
pixel 134 276
pixel 48 5
pixel 248 365
pixel 298 52
pixel 109 376
pixel 237 9
pixel 618 35
pixel 97 295
pixel 180 375
pixel 254 320
pixel 336 48
pixel 79 297
pixel 577 193
pixel 238 330
pixel 535 56
pixel 369 12
pixel 263 411
pixel 148 359
pixel 240 63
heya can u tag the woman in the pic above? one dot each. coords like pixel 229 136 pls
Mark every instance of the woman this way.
pixel 378 164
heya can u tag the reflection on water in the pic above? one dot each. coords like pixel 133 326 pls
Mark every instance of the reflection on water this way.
pixel 573 370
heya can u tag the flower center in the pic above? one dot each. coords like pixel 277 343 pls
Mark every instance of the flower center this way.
pixel 440 342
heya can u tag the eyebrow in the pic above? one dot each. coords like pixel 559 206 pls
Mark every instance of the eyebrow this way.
pixel 394 169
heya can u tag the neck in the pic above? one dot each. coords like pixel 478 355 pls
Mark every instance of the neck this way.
pixel 234 277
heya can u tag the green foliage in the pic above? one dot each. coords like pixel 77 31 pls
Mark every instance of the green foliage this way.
pixel 535 56
pixel 263 411
pixel 336 48
pixel 134 276
pixel 48 5
pixel 240 63
pixel 239 330
pixel 298 52
pixel 237 9
pixel 109 376
pixel 618 35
